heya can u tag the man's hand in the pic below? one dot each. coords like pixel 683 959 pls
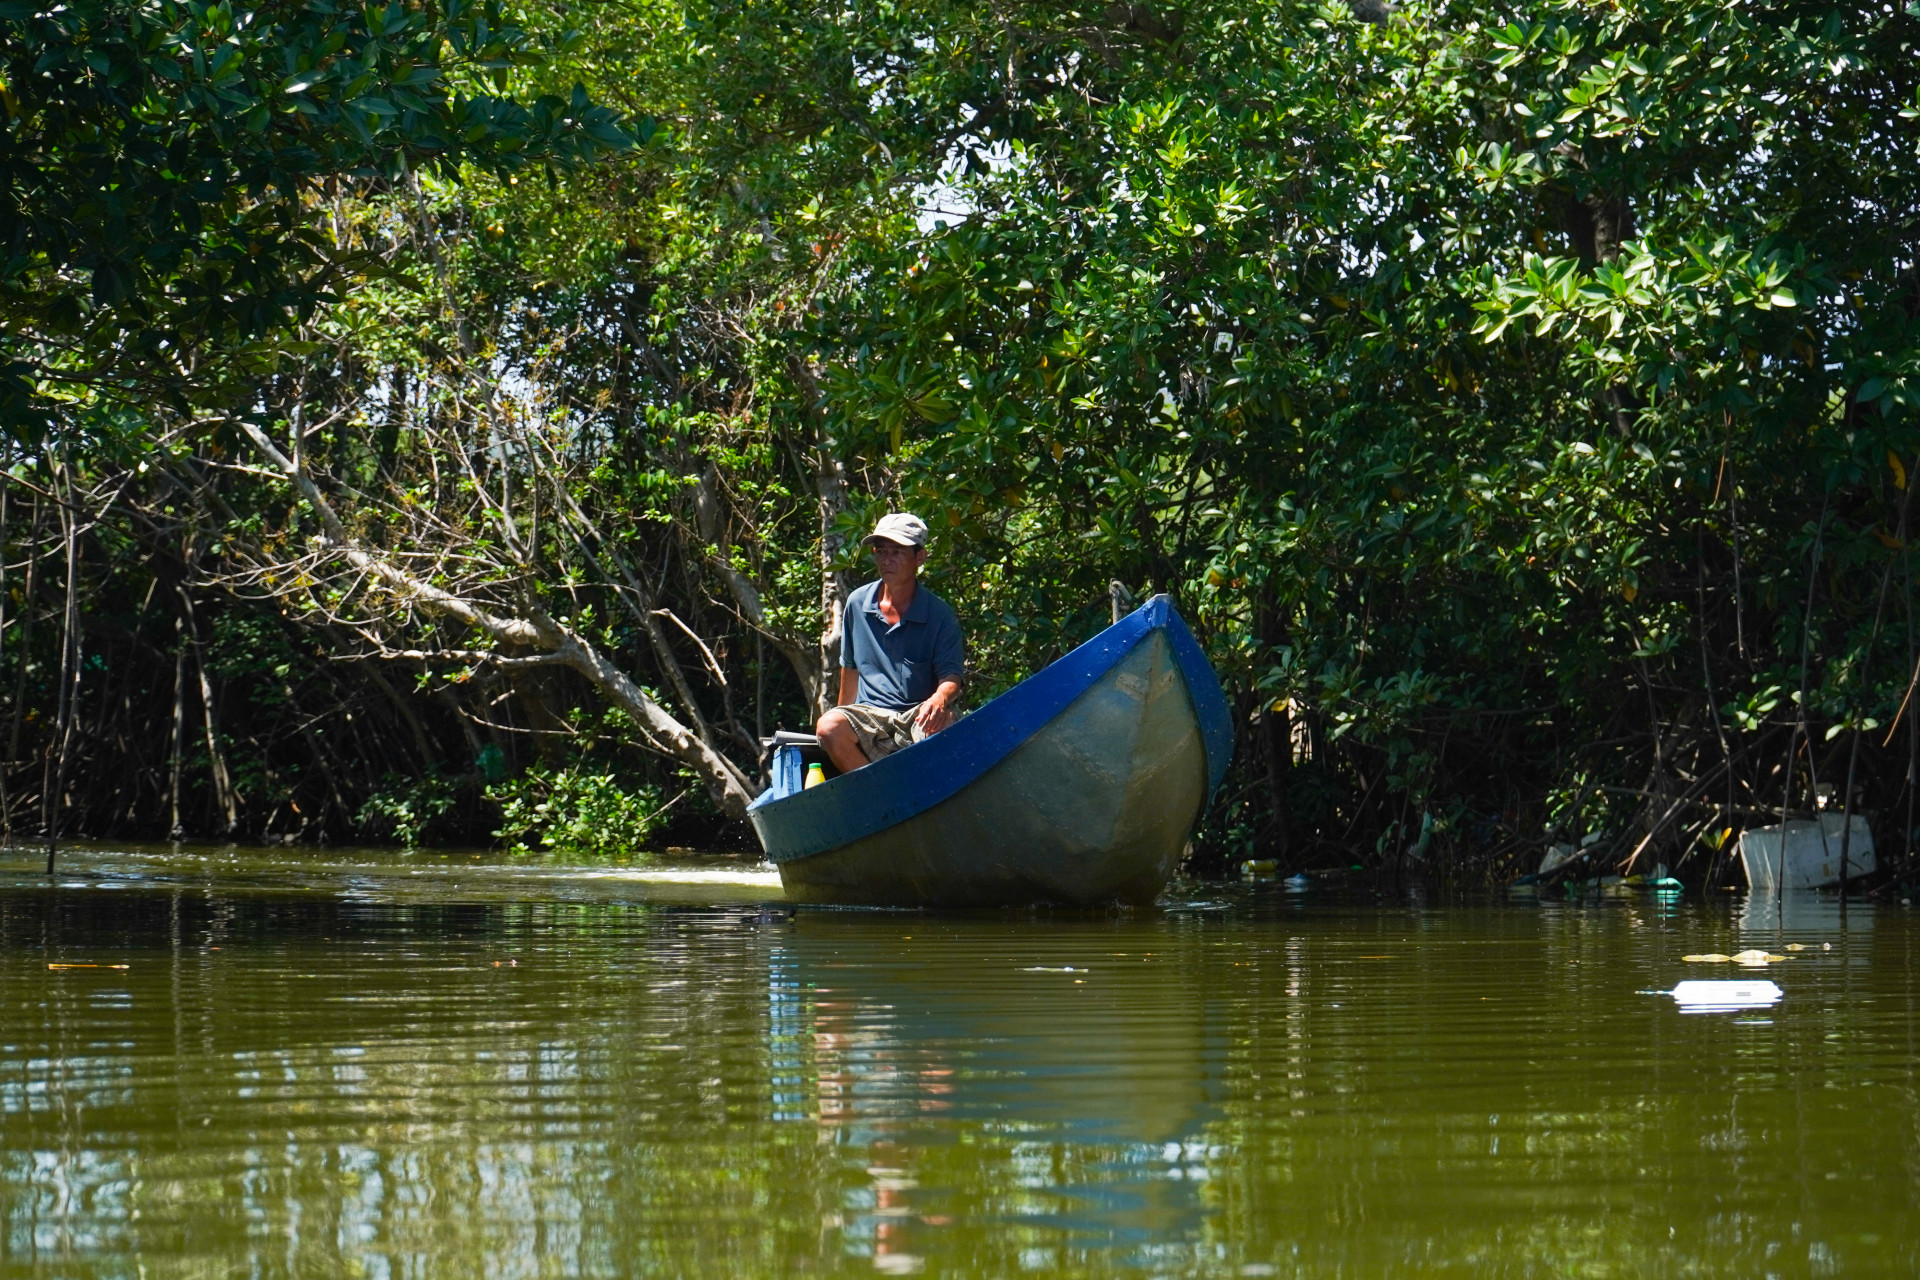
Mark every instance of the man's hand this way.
pixel 936 713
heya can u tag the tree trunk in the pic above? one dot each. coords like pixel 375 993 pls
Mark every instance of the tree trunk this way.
pixel 224 795
pixel 1276 726
pixel 830 480
pixel 1598 225
pixel 1276 729
pixel 174 829
pixel 69 700
pixel 6 809
pixel 26 649
pixel 830 494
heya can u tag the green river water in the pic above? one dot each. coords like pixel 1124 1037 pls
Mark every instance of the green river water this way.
pixel 371 1065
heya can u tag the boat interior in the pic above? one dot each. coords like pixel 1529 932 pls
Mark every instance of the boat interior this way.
pixel 785 757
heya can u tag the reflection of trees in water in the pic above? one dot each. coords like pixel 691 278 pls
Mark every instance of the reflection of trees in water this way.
pixel 635 1091
pixel 422 1089
pixel 357 1081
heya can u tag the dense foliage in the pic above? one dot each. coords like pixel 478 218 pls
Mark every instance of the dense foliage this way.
pixel 161 163
pixel 1520 401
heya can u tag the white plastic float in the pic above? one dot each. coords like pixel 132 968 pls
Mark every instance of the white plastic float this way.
pixel 1710 995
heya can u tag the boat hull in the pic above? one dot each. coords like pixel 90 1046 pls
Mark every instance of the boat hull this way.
pixel 1095 807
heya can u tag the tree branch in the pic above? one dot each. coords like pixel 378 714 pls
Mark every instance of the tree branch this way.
pixel 729 786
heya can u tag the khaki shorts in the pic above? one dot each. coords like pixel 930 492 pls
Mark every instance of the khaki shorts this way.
pixel 880 730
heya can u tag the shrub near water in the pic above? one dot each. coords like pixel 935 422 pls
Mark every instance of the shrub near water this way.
pixel 573 811
pixel 407 808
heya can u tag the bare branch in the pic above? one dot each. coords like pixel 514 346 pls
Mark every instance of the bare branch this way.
pixel 559 645
pixel 713 663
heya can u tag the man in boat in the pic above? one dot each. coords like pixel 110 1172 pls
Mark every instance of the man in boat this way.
pixel 901 656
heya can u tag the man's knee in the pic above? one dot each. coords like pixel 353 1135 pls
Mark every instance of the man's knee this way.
pixel 842 742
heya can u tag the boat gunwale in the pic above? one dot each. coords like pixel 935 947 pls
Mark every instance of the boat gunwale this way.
pixel 913 780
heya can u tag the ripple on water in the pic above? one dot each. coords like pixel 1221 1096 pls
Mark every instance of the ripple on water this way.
pixel 465 1068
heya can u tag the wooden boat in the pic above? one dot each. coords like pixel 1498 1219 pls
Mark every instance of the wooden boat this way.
pixel 1080 785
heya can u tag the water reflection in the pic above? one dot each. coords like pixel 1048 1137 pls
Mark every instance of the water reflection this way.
pixel 1803 911
pixel 398 1079
pixel 1077 1060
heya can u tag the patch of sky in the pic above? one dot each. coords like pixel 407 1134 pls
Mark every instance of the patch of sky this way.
pixel 946 201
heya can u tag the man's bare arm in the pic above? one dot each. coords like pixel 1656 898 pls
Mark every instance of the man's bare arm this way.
pixel 849 686
pixel 936 713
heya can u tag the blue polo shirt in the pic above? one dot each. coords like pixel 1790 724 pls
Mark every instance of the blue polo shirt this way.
pixel 900 665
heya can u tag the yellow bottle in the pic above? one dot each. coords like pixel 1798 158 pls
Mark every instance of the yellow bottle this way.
pixel 816 774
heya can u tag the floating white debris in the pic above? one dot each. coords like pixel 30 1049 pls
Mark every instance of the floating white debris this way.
pixel 1719 996
pixel 1051 968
